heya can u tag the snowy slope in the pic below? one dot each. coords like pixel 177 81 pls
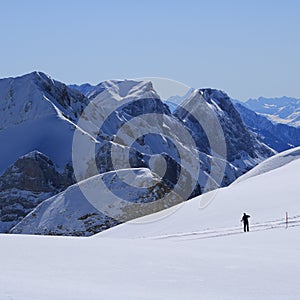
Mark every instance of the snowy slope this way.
pixel 189 254
pixel 265 197
pixel 256 266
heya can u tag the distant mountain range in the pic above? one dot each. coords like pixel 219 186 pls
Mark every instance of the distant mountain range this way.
pixel 278 136
pixel 274 120
pixel 39 192
pixel 283 110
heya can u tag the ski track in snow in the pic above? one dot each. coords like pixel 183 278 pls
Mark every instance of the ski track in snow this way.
pixel 221 232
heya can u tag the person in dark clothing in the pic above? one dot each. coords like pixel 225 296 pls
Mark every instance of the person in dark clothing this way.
pixel 245 221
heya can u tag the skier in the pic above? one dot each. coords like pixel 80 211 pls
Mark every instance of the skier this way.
pixel 245 221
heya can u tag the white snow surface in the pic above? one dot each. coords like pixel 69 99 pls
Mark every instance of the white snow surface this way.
pixel 260 265
pixel 192 253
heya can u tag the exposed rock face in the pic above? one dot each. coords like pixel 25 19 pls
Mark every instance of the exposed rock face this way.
pixel 34 172
pixel 29 181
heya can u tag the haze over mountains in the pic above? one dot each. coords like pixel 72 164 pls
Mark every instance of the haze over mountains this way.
pixel 38 119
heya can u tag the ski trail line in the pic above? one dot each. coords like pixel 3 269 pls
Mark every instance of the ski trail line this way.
pixel 221 232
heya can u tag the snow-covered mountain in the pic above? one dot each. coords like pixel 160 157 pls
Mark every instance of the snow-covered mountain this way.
pixel 126 101
pixel 47 124
pixel 279 137
pixel 123 124
pixel 38 118
pixel 70 213
pixel 284 110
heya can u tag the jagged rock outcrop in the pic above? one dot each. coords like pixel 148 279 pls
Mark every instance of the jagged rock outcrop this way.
pixel 25 184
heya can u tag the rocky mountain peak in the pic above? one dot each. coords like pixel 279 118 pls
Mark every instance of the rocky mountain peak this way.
pixel 243 148
pixel 35 95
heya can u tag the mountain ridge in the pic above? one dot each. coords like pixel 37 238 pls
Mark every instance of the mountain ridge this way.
pixel 155 139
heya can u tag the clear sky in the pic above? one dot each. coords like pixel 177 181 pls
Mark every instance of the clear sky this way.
pixel 247 48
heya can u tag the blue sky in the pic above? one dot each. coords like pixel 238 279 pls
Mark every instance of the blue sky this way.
pixel 247 48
